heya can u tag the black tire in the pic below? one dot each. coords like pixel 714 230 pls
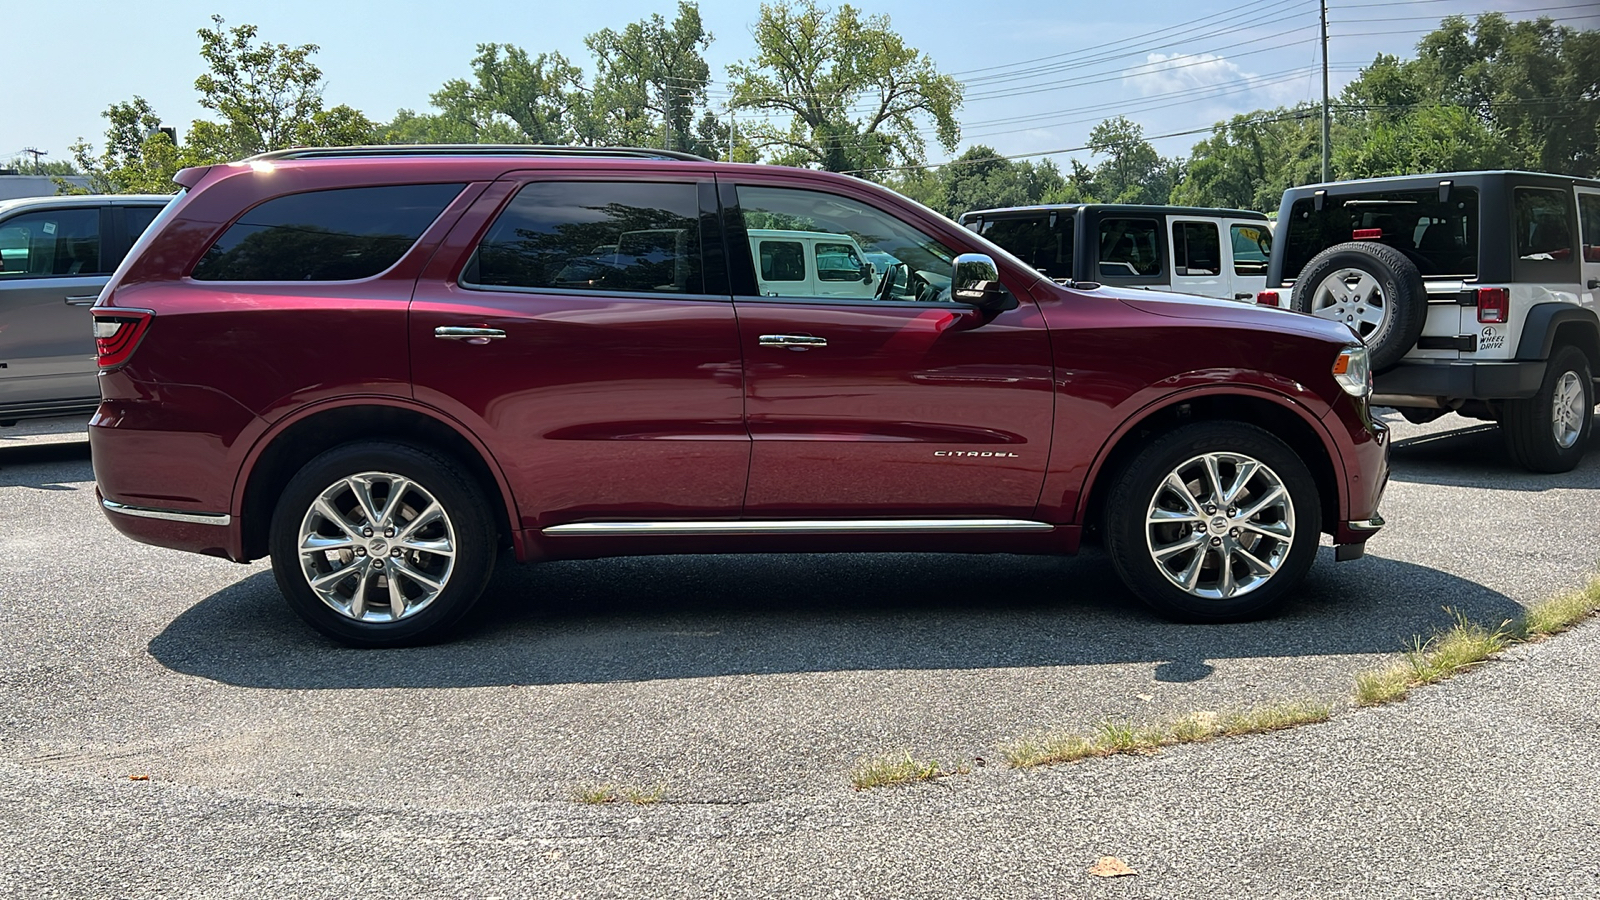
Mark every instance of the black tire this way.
pixel 1141 494
pixel 1536 438
pixel 430 484
pixel 1400 291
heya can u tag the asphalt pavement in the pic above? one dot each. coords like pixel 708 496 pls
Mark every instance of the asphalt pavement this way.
pixel 745 688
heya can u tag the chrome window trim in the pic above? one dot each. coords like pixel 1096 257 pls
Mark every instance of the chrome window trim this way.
pixel 167 515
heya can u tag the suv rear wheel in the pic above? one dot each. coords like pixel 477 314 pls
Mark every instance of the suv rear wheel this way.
pixel 1374 289
pixel 381 544
pixel 1547 432
pixel 1214 522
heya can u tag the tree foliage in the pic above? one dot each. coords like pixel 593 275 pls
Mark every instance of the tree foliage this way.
pixel 981 179
pixel 652 74
pixel 855 95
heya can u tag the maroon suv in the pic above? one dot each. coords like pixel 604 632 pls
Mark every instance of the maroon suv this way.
pixel 381 365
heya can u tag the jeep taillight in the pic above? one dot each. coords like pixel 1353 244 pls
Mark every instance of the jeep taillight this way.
pixel 117 333
pixel 1267 298
pixel 1494 305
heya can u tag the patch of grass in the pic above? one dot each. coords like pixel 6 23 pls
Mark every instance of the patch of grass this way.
pixel 896 768
pixel 1555 616
pixel 1111 738
pixel 610 793
pixel 1447 653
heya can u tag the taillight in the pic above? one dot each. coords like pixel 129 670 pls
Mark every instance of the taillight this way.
pixel 117 333
pixel 1366 234
pixel 1494 305
pixel 1267 298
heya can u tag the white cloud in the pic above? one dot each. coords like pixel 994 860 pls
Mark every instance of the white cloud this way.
pixel 1164 74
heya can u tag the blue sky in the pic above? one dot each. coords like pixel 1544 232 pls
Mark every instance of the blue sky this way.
pixel 1039 75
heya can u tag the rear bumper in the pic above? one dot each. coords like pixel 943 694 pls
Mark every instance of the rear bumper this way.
pixel 1509 380
pixel 207 533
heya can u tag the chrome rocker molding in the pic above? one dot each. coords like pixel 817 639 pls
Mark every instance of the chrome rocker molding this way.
pixel 145 512
pixel 796 526
pixel 1372 524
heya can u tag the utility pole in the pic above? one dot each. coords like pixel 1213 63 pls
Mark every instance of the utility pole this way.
pixel 733 130
pixel 38 167
pixel 1327 169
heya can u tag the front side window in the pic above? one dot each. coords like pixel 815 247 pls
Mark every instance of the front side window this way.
pixel 53 242
pixel 334 235
pixel 1130 248
pixel 1252 247
pixel 847 235
pixel 594 236
pixel 1196 248
pixel 1544 231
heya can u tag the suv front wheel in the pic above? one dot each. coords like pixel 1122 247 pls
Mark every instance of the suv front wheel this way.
pixel 381 544
pixel 1214 522
pixel 1547 432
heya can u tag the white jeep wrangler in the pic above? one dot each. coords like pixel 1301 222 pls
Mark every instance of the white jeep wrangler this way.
pixel 1476 292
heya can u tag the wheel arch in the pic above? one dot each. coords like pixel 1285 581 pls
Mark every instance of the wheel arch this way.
pixel 297 438
pixel 1279 416
pixel 1549 325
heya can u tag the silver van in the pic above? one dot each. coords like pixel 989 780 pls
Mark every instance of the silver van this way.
pixel 56 253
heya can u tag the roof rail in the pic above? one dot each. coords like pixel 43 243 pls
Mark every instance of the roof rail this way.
pixel 472 150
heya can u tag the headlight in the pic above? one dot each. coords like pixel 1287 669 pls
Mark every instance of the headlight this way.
pixel 1353 371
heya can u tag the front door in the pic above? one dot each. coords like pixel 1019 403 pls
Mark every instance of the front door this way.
pixel 587 341
pixel 904 405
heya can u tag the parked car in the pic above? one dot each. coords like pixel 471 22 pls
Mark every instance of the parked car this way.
pixel 366 364
pixel 55 255
pixel 1476 293
pixel 1210 252
pixel 811 264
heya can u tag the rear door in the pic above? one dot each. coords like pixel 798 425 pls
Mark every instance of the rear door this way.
pixel 1197 262
pixel 579 323
pixel 55 261
pixel 1589 229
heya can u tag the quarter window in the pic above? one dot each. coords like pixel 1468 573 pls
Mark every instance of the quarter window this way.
pixel 1130 248
pixel 1589 220
pixel 1544 231
pixel 336 235
pixel 594 236
pixel 54 242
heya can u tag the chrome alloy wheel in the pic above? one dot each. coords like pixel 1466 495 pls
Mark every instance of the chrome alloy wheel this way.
pixel 1566 412
pixel 1353 297
pixel 1220 525
pixel 377 547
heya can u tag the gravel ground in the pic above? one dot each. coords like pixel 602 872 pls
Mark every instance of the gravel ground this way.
pixel 749 686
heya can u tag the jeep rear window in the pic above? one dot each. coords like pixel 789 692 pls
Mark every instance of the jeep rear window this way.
pixel 594 236
pixel 1036 240
pixel 1439 236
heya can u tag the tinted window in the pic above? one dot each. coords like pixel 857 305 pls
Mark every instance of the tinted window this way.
pixel 138 218
pixel 1036 240
pixel 1196 248
pixel 1252 247
pixel 782 261
pixel 1544 231
pixel 838 262
pixel 918 265
pixel 1589 217
pixel 334 235
pixel 601 236
pixel 55 242
pixel 1440 236
pixel 1130 248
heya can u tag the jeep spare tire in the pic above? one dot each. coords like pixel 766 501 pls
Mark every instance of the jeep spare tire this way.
pixel 1371 287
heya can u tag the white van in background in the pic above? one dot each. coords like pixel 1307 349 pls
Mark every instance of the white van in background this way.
pixel 811 264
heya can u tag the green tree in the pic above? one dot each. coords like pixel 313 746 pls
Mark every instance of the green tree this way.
pixel 138 157
pixel 854 94
pixel 650 81
pixel 1249 161
pixel 982 179
pixel 512 97
pixel 1132 172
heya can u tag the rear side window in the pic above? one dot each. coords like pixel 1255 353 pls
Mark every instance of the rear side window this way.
pixel 1439 236
pixel 783 261
pixel 138 218
pixel 1196 248
pixel 52 242
pixel 1042 241
pixel 335 235
pixel 1544 231
pixel 595 236
pixel 1130 248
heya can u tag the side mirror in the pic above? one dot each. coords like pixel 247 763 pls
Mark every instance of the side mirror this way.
pixel 975 279
pixel 867 273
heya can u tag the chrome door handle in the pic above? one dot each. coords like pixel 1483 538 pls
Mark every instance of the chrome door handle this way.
pixel 476 336
pixel 792 341
pixel 83 300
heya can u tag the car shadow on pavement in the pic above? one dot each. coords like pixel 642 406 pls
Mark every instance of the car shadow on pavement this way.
pixel 673 617
pixel 45 467
pixel 1476 456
